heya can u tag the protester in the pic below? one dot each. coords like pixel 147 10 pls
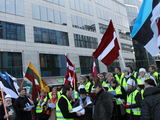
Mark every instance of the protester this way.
pixel 133 73
pixel 40 106
pixel 151 102
pixel 64 107
pixel 102 80
pixel 22 106
pixel 86 102
pixel 127 76
pixel 143 76
pixel 118 75
pixel 153 72
pixel 118 93
pixel 133 101
pixel 103 105
pixel 9 107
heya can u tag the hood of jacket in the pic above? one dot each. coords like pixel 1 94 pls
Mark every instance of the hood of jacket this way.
pixel 151 91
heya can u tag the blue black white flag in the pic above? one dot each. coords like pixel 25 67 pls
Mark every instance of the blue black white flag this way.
pixel 146 29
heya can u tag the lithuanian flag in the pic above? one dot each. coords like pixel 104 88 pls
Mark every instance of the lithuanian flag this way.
pixel 32 73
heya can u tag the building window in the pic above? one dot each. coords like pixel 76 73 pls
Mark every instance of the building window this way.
pixel 123 35
pixel 12 31
pixel 86 64
pixel 102 28
pixel 127 48
pixel 83 23
pixel 42 35
pixel 15 7
pixel 85 41
pixel 49 15
pixel 12 63
pixel 81 6
pixel 57 2
pixel 52 65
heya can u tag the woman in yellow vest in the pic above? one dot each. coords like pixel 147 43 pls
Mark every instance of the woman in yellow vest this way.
pixel 133 101
pixel 119 96
pixel 118 75
pixel 64 107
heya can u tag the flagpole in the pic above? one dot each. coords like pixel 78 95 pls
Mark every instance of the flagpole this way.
pixel 74 78
pixel 4 105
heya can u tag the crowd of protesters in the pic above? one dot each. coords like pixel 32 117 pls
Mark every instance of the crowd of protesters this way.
pixel 124 95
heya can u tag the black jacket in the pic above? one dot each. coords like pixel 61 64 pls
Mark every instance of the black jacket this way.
pixel 103 106
pixel 151 104
pixel 19 106
pixel 63 105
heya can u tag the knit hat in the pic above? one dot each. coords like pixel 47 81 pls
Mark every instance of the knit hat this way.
pixel 142 70
pixel 131 82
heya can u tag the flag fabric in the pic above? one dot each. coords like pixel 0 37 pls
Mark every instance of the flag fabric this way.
pixel 94 69
pixel 7 87
pixel 13 81
pixel 32 72
pixel 70 77
pixel 108 49
pixel 146 27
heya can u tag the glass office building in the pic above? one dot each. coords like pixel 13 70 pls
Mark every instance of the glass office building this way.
pixel 43 31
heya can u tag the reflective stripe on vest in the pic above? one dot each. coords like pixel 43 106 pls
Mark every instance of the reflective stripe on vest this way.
pixel 39 108
pixel 131 100
pixel 124 83
pixel 87 86
pixel 119 79
pixel 58 111
pixel 118 92
pixel 140 82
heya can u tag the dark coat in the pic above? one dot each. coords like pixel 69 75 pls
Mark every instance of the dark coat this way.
pixel 103 106
pixel 19 106
pixel 151 104
pixel 2 113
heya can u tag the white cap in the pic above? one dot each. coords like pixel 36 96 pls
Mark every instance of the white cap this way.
pixel 142 70
pixel 131 82
pixel 81 87
pixel 7 96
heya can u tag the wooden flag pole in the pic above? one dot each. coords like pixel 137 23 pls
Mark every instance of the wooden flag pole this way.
pixel 4 105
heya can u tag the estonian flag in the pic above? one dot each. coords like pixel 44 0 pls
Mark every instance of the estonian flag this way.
pixel 8 85
pixel 146 27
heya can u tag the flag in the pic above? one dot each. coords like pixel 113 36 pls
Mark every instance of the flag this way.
pixel 146 27
pixel 108 49
pixel 94 70
pixel 70 77
pixel 31 71
pixel 7 87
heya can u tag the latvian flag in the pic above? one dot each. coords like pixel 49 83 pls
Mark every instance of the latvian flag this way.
pixel 146 29
pixel 108 49
pixel 71 77
pixel 94 69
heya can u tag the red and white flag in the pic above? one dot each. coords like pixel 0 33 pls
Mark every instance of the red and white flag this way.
pixel 71 77
pixel 108 49
pixel 94 69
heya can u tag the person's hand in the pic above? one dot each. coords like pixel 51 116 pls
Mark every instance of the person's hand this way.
pixel 79 114
pixel 126 106
pixel 6 116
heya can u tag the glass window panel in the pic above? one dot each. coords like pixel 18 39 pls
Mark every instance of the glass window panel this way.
pixel 20 33
pixel 20 7
pixel 52 36
pixel 36 12
pixel 63 18
pixel 50 0
pixel 45 36
pixel 37 34
pixel 43 14
pixel 10 6
pixel 11 31
pixel 77 4
pixel 57 16
pixel 56 1
pixel 72 4
pixel 2 5
pixel 50 15
pixel 62 2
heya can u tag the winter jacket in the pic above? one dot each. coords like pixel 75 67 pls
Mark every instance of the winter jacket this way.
pixel 151 104
pixel 103 106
